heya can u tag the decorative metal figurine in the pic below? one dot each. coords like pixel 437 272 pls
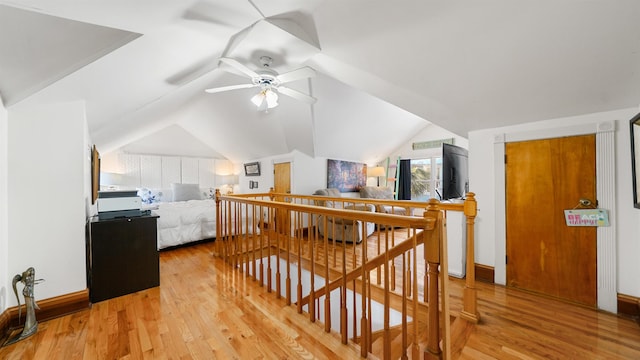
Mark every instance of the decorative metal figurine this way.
pixel 30 323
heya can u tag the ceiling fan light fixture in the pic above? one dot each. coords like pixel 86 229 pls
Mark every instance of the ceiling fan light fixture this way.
pixel 265 99
pixel 269 82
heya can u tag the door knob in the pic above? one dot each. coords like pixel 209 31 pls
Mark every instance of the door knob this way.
pixel 588 203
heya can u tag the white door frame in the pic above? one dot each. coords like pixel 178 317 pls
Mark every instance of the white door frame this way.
pixel 605 190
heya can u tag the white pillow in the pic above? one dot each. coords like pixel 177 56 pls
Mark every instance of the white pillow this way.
pixel 185 192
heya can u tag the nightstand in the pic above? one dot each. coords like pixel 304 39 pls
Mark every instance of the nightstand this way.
pixel 122 256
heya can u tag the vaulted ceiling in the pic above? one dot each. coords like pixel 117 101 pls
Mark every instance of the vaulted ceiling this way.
pixel 386 69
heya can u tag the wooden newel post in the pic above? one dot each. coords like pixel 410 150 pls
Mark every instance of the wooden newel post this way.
pixel 432 244
pixel 218 244
pixel 470 310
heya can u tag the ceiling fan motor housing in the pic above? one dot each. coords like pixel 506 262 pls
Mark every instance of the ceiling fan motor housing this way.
pixel 266 79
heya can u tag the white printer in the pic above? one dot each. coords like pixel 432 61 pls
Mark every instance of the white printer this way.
pixel 115 204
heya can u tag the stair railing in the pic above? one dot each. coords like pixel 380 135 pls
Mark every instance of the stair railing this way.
pixel 285 240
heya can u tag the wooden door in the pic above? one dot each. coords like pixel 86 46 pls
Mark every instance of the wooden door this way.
pixel 282 177
pixel 282 184
pixel 543 178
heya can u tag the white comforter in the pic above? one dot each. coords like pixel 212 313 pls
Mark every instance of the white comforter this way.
pixel 182 222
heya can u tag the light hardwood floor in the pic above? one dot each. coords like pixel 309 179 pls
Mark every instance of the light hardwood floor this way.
pixel 203 309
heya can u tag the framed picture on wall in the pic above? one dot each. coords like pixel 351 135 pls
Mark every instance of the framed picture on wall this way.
pixel 346 176
pixel 95 174
pixel 635 159
pixel 252 169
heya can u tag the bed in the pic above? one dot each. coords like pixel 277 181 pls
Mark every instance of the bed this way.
pixel 188 218
pixel 182 222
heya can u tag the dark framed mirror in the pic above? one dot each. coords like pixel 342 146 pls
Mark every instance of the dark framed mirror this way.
pixel 635 158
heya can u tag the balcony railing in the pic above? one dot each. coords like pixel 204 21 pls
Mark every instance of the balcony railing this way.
pixel 374 278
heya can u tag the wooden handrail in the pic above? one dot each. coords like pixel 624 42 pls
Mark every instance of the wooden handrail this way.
pixel 375 217
pixel 257 232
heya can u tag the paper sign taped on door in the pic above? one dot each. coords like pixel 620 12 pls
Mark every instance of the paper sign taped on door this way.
pixel 586 217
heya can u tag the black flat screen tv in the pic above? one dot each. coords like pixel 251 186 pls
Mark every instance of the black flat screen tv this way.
pixel 455 172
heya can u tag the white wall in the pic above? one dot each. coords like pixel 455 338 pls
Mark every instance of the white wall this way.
pixel 4 222
pixel 307 174
pixel 429 133
pixel 310 174
pixel 46 196
pixel 483 182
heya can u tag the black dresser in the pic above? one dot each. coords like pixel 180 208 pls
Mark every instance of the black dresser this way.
pixel 122 256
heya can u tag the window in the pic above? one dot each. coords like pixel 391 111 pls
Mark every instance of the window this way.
pixel 426 178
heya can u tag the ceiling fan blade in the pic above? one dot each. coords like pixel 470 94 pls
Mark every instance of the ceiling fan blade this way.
pixel 302 73
pixel 297 95
pixel 230 87
pixel 238 66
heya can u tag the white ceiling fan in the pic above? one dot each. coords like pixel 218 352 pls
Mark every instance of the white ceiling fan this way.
pixel 269 82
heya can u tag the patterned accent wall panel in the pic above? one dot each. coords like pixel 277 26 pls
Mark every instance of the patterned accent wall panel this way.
pixel 207 173
pixel 171 172
pixel 150 172
pixel 190 171
pixel 130 166
pixel 159 172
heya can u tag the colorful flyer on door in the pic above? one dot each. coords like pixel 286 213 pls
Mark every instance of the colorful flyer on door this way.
pixel 586 217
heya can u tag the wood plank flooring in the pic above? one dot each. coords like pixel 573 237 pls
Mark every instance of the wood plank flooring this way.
pixel 203 309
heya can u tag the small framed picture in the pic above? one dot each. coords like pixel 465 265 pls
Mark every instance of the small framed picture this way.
pixel 252 169
pixel 253 184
